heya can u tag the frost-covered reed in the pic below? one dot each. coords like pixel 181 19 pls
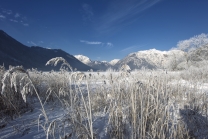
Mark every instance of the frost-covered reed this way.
pixel 124 104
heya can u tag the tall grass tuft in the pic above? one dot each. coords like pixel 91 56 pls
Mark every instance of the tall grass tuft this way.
pixel 124 104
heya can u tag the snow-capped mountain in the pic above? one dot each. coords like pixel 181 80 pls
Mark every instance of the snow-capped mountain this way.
pixel 83 59
pixel 151 59
pixel 100 65
pixel 114 61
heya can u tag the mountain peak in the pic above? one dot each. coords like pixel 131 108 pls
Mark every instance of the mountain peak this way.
pixel 84 59
pixel 1 31
pixel 15 53
pixel 151 59
pixel 104 61
pixel 114 61
pixel 100 65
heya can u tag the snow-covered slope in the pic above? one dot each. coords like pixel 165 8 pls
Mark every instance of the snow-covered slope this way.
pixel 100 65
pixel 83 59
pixel 159 58
pixel 151 59
pixel 114 61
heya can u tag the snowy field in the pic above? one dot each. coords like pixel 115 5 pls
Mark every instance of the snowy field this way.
pixel 102 105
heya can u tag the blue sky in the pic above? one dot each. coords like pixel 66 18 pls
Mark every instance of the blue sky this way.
pixel 103 29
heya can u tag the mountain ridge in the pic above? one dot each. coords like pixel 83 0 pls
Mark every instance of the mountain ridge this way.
pixel 100 65
pixel 15 53
pixel 150 59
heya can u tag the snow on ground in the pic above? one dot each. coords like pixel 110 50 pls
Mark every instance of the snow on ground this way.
pixel 201 87
pixel 26 126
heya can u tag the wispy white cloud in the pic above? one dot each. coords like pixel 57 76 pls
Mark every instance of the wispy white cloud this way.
pixel 98 58
pixel 127 49
pixel 14 17
pixel 132 48
pixel 19 21
pixel 9 12
pixel 13 20
pixel 25 24
pixel 17 15
pixel 87 13
pixel 122 12
pixel 90 42
pixel 2 16
pixel 107 45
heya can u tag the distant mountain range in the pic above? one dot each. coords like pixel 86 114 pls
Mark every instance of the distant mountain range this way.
pixel 100 65
pixel 14 53
pixel 114 61
pixel 150 59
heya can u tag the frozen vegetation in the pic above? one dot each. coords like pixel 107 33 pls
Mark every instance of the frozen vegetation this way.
pixel 115 104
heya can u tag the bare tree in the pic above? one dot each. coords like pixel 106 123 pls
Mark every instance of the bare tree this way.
pixel 193 42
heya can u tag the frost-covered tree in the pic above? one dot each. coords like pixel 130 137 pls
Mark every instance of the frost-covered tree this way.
pixel 175 59
pixel 193 43
pixel 125 68
pixel 189 45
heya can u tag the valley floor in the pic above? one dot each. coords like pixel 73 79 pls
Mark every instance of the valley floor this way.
pixel 97 101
